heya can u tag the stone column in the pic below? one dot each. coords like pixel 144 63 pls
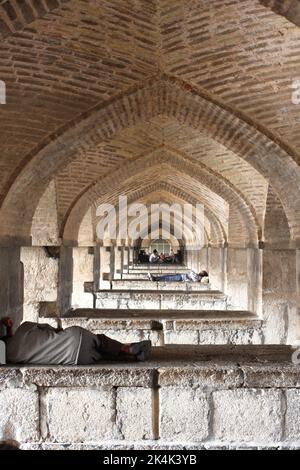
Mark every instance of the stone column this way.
pixel 125 259
pixel 193 259
pixel 83 271
pixel 11 283
pixel 280 296
pixel 237 277
pixel 96 267
pixel 40 280
pixel 105 267
pixel 203 258
pixel 118 262
pixel 131 254
pixel 254 267
pixel 65 279
pixel 217 267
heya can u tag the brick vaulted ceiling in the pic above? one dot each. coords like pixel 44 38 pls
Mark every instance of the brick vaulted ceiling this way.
pixel 64 61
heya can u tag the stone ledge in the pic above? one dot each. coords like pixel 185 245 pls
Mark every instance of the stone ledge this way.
pixel 153 314
pixel 206 375
pixel 271 375
pixel 100 375
pixel 205 366
pixel 145 285
pixel 116 323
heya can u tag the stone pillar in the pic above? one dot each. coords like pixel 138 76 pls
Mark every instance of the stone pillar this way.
pixel 83 271
pixel 105 267
pixel 217 265
pixel 244 278
pixel 40 280
pixel 203 258
pixel 125 259
pixel 11 283
pixel 254 267
pixel 280 296
pixel 118 262
pixel 65 279
pixel 97 267
pixel 131 254
pixel 237 278
pixel 193 260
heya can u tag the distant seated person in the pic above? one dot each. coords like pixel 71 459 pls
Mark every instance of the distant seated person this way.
pixel 172 257
pixel 178 257
pixel 143 257
pixel 40 343
pixel 154 257
pixel 162 258
pixel 188 277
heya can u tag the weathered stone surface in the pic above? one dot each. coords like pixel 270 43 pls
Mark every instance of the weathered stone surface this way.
pixel 204 375
pixel 210 300
pixel 79 415
pixel 238 335
pixel 19 417
pixel 181 337
pixel 184 414
pixel 10 377
pixel 282 375
pixel 40 280
pixel 158 286
pixel 113 375
pixel 251 415
pixel 113 324
pixel 153 445
pixel 232 354
pixel 134 413
pixel 280 296
pixel 82 272
pixel 292 418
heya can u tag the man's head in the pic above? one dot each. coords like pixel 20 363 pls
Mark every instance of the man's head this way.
pixel 155 252
pixel 203 274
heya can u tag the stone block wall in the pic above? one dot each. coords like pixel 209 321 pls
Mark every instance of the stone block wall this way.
pixel 182 406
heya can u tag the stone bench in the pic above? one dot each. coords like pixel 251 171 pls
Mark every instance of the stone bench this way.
pixel 201 300
pixel 160 266
pixel 158 271
pixel 167 326
pixel 140 275
pixel 141 284
pixel 207 397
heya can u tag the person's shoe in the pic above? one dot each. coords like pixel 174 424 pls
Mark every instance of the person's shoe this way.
pixel 150 277
pixel 141 350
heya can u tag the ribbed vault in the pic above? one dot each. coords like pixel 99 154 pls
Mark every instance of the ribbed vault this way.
pixel 186 107
pixel 168 167
pixel 95 86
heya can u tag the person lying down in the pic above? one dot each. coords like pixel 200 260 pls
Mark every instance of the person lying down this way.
pixel 40 343
pixel 188 277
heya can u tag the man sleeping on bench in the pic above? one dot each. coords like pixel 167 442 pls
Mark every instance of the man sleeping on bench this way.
pixel 190 276
pixel 40 343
